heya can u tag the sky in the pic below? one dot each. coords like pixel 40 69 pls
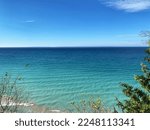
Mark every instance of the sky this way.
pixel 73 23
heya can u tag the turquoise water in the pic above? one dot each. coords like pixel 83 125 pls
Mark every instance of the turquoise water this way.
pixel 54 77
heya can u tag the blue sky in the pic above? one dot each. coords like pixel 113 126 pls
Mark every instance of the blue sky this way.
pixel 61 23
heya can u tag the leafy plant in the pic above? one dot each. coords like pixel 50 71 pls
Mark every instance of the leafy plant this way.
pixel 90 106
pixel 11 96
pixel 138 98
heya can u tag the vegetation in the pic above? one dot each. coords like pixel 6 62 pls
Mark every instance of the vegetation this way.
pixel 91 106
pixel 138 98
pixel 11 97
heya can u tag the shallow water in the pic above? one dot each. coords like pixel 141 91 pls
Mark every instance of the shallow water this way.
pixel 54 77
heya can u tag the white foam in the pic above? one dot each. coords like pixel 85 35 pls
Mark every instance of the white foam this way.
pixel 57 111
pixel 17 104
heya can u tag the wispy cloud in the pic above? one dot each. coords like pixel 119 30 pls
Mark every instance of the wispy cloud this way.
pixel 29 21
pixel 128 5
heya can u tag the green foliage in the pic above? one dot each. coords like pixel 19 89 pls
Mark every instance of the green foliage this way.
pixel 11 96
pixel 138 98
pixel 90 106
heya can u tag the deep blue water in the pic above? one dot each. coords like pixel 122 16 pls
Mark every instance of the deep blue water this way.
pixel 54 77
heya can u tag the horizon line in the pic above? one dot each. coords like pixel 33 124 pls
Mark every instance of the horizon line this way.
pixel 71 46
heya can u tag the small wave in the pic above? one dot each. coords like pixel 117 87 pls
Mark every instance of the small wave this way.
pixel 55 111
pixel 17 104
pixel 9 101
